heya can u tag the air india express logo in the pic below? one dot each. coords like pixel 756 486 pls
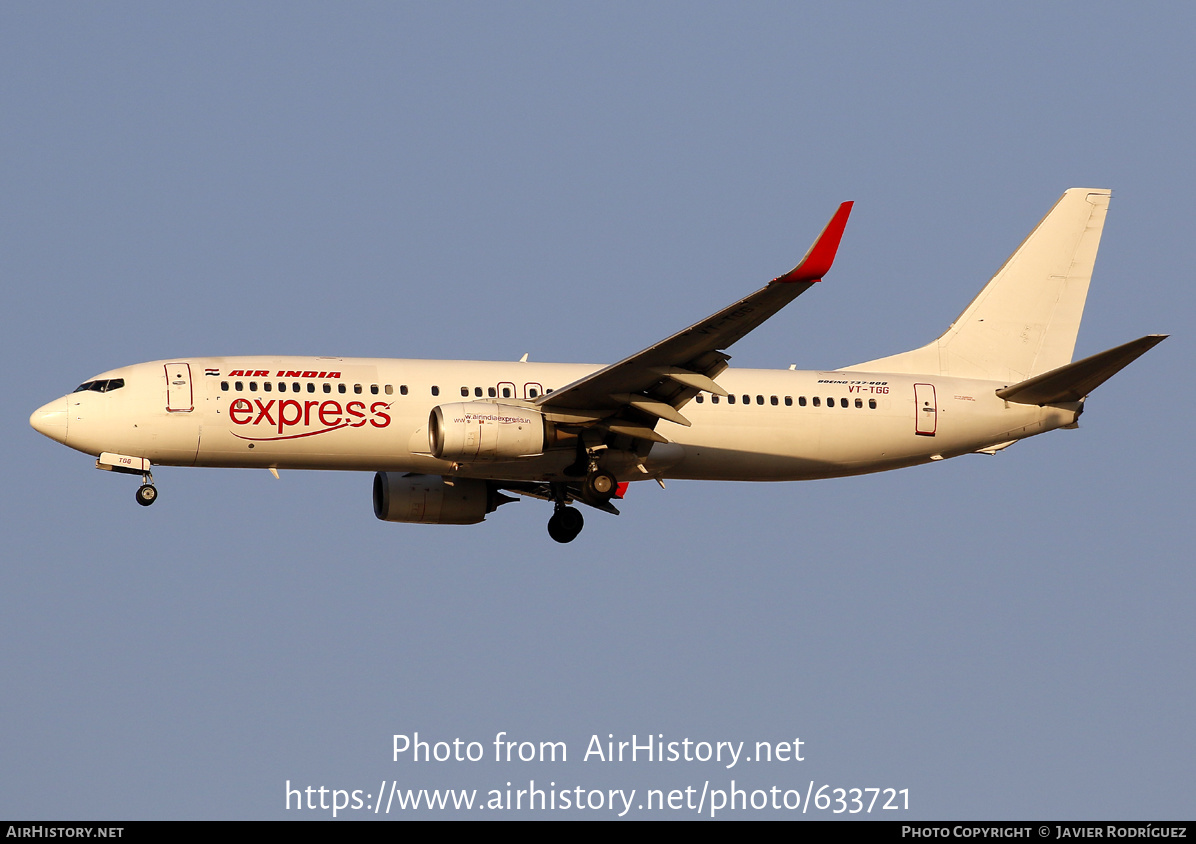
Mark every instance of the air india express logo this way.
pixel 276 416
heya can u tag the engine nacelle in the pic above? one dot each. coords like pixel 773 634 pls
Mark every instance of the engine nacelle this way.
pixel 466 432
pixel 428 500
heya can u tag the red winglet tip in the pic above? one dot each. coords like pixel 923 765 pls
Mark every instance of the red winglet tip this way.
pixel 818 260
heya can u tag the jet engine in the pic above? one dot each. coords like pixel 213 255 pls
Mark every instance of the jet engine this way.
pixel 429 500
pixel 466 432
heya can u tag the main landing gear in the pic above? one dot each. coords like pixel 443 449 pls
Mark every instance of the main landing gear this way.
pixel 566 523
pixel 597 489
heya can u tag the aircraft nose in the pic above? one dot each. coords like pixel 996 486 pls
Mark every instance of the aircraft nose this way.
pixel 50 420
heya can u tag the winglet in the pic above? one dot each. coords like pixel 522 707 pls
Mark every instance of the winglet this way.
pixel 818 260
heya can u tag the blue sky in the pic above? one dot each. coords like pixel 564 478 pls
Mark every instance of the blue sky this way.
pixel 1006 637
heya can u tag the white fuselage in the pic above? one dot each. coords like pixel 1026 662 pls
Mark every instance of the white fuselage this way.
pixel 371 414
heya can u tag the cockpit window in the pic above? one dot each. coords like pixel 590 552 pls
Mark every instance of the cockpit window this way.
pixel 102 386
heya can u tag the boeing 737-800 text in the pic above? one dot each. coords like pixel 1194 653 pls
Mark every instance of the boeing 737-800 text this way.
pixel 448 439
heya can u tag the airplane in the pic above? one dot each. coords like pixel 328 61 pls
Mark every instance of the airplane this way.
pixel 448 440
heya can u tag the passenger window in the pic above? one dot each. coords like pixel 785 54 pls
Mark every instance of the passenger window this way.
pixel 773 400
pixel 760 400
pixel 830 402
pixel 747 399
pixel 801 401
pixel 282 386
pixel 506 392
pixel 788 401
pixel 267 386
pixel 477 392
pixel 253 386
pixel 464 392
pixel 492 392
pixel 859 402
pixel 402 389
pixel 843 402
pixel 239 386
pixel 713 399
pixel 435 391
pixel 341 388
pixel 817 402
pixel 872 404
pixel 373 389
pixel 730 399
pixel 295 387
pixel 311 387
pixel 357 389
pixel 327 387
pixel 390 390
pixel 223 386
pixel 698 398
pixel 532 393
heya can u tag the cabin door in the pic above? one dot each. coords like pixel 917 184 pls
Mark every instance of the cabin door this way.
pixel 178 388
pixel 926 419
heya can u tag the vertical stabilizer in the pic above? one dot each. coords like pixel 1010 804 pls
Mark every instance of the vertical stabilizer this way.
pixel 1025 320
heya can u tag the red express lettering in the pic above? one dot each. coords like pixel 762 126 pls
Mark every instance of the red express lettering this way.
pixel 263 412
pixel 281 414
pixel 240 406
pixel 379 409
pixel 330 413
pixel 283 421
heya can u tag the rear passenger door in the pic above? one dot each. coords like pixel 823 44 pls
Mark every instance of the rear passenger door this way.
pixel 926 418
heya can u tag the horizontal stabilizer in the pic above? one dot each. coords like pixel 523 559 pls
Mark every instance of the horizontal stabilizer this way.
pixel 1074 381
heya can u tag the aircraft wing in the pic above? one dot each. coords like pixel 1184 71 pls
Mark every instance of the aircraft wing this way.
pixel 629 397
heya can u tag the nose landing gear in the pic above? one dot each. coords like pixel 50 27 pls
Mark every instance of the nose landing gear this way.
pixel 147 493
pixel 126 464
